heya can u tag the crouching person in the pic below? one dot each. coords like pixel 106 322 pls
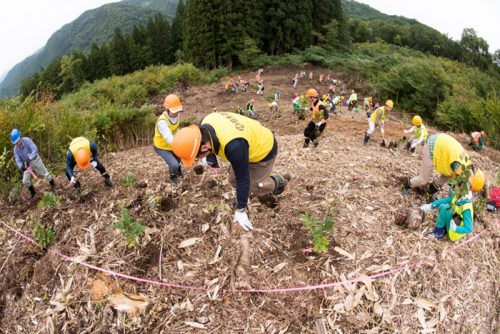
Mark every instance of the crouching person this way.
pixel 84 154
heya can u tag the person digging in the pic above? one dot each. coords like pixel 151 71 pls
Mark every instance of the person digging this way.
pixel 377 117
pixel 166 126
pixel 319 115
pixel 28 161
pixel 250 148
pixel 456 213
pixel 83 153
pixel 444 154
pixel 420 134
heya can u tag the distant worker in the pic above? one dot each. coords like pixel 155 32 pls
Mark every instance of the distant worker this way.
pixel 28 161
pixel 377 117
pixel 477 140
pixel 319 115
pixel 420 133
pixel 83 153
pixel 311 75
pixel 273 106
pixel 166 126
pixel 295 80
pixel 456 214
pixel 368 103
pixel 251 108
pixel 250 148
pixel 239 110
pixel 444 154
pixel 277 96
pixel 353 100
pixel 260 86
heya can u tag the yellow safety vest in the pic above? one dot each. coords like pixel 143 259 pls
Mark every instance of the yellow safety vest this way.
pixel 419 131
pixel 459 210
pixel 446 151
pixel 374 115
pixel 158 139
pixel 78 143
pixel 229 126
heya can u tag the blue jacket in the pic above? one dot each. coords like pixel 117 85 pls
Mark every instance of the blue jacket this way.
pixel 26 152
pixel 467 217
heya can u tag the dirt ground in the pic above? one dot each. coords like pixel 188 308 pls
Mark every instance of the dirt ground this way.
pixel 443 289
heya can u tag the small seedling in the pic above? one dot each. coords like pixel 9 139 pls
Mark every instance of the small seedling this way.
pixel 129 180
pixel 49 201
pixel 130 229
pixel 317 230
pixel 44 235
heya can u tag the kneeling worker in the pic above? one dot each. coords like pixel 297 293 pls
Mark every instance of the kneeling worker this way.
pixel 246 144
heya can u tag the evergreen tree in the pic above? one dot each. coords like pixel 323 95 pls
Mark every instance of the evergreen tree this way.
pixel 176 35
pixel 119 54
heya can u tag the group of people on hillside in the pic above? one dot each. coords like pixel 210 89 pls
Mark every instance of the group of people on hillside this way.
pixel 251 149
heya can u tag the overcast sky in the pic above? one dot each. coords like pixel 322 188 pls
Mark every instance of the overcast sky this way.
pixel 26 25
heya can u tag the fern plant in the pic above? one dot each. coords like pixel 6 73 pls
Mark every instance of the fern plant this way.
pixel 129 228
pixel 317 230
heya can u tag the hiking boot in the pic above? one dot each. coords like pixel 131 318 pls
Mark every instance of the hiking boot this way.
pixel 32 192
pixel 366 139
pixel 316 143
pixel 107 180
pixel 406 186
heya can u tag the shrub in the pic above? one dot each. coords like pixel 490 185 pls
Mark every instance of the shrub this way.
pixel 129 180
pixel 129 228
pixel 49 201
pixel 317 230
pixel 44 235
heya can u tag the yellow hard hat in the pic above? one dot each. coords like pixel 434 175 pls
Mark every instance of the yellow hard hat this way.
pixel 416 120
pixel 270 105
pixel 389 103
pixel 302 97
pixel 477 180
pixel 323 97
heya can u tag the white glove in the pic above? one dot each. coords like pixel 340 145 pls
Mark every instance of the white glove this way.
pixel 453 226
pixel 73 181
pixel 242 219
pixel 319 123
pixel 413 145
pixel 426 208
pixel 93 164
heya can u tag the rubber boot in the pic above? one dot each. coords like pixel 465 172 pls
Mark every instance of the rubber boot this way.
pixel 316 142
pixel 367 138
pixel 306 143
pixel 431 191
pixel 405 188
pixel 107 180
pixel 32 191
pixel 280 182
pixel 53 187
pixel 408 146
pixel 174 178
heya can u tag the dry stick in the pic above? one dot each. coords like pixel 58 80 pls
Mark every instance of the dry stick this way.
pixel 161 255
pixel 8 255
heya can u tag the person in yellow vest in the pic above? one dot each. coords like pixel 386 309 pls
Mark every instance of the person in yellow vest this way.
pixel 166 126
pixel 420 134
pixel 443 153
pixel 250 148
pixel 319 115
pixel 456 214
pixel 83 153
pixel 377 117
pixel 477 140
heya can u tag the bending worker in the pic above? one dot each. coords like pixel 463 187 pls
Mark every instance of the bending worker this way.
pixel 456 215
pixel 26 156
pixel 377 117
pixel 84 154
pixel 246 144
pixel 443 153
pixel 420 133
pixel 166 126
pixel 319 115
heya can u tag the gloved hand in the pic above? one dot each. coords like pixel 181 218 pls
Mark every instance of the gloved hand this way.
pixel 426 208
pixel 241 218
pixel 93 164
pixel 73 181
pixel 453 226
pixel 204 162
pixel 319 123
pixel 413 145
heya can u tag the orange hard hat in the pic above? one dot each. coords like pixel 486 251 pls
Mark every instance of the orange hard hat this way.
pixel 477 180
pixel 186 144
pixel 173 103
pixel 311 92
pixel 83 158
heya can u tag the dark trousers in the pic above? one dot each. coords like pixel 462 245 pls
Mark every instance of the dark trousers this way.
pixel 99 167
pixel 310 131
